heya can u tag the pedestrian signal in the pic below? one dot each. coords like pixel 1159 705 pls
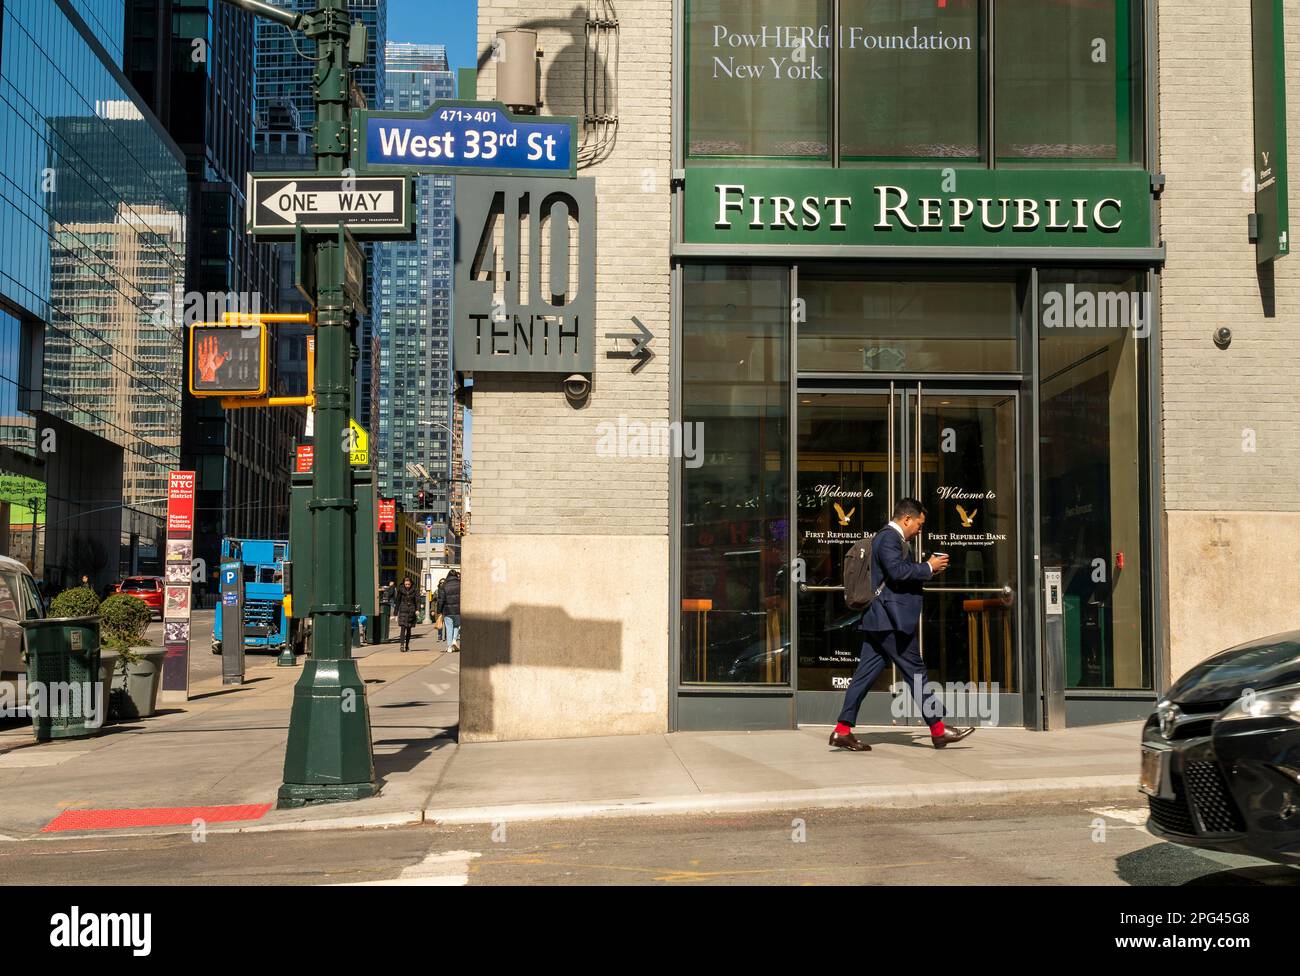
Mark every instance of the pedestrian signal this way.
pixel 228 360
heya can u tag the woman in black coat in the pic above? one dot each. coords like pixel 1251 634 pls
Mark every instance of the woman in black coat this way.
pixel 407 609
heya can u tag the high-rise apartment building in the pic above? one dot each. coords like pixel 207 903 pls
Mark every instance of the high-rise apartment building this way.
pixel 414 309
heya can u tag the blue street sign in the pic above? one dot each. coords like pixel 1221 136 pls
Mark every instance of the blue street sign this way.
pixel 465 137
pixel 428 521
pixel 229 573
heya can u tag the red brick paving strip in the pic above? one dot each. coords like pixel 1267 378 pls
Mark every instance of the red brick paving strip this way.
pixel 152 817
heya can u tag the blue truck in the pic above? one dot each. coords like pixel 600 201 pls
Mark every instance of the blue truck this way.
pixel 268 625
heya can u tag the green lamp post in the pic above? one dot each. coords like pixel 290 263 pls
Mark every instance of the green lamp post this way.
pixel 329 756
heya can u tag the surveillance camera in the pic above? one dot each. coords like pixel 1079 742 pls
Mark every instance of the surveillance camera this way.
pixel 577 387
pixel 1223 338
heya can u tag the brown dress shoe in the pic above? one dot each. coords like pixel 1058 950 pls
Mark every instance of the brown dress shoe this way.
pixel 849 742
pixel 949 735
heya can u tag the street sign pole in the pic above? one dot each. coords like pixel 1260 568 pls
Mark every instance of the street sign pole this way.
pixel 329 757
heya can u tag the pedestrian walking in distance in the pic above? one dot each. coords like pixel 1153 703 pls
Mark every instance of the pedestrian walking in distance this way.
pixel 407 608
pixel 449 607
pixel 436 603
pixel 890 626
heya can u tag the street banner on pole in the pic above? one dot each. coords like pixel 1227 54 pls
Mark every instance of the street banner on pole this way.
pixel 1271 188
pixel 178 567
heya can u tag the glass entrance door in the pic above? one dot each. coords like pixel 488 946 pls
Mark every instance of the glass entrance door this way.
pixel 955 450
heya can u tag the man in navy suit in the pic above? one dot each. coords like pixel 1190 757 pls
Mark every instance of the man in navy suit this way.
pixel 890 626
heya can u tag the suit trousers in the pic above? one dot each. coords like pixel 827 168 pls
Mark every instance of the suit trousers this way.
pixel 878 648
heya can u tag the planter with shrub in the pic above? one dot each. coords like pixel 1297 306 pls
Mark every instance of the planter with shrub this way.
pixel 125 619
pixel 79 601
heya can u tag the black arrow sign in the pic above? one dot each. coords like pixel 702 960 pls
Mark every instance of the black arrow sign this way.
pixel 641 345
pixel 285 201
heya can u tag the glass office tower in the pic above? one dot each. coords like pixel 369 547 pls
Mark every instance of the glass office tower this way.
pixel 93 215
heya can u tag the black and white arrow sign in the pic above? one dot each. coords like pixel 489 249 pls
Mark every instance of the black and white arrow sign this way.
pixel 361 203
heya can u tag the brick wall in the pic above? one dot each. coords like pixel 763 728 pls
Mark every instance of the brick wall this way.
pixel 536 467
pixel 1207 149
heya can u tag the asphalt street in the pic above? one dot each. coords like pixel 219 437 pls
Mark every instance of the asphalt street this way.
pixel 1069 844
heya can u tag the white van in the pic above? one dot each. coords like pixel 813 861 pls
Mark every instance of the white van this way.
pixel 19 600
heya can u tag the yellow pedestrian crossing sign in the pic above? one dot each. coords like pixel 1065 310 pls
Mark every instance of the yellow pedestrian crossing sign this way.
pixel 359 444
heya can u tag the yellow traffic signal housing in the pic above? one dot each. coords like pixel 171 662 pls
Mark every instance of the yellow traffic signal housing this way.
pixel 229 359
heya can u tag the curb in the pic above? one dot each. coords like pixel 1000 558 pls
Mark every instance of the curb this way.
pixel 1091 788
pixel 404 818
pixel 883 798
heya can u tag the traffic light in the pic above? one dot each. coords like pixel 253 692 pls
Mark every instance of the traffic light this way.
pixel 228 360
pixel 421 500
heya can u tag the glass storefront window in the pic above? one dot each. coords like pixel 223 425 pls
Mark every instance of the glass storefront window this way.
pixel 1067 76
pixel 1092 329
pixel 758 79
pixel 911 87
pixel 908 326
pixel 735 496
pixel 915 81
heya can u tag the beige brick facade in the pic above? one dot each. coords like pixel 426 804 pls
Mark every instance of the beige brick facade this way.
pixel 536 466
pixel 556 524
pixel 1227 507
pixel 556 641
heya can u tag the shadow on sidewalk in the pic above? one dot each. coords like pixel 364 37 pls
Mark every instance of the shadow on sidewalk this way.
pixel 412 753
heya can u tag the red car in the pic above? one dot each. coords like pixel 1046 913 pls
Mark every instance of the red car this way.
pixel 147 588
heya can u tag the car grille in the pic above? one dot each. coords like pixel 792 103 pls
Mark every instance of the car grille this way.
pixel 1203 784
pixel 1172 815
pixel 1198 719
pixel 1214 803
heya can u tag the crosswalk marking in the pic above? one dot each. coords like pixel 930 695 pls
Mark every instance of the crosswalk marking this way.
pixel 443 869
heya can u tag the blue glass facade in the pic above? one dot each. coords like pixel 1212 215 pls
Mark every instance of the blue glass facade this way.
pixel 413 311
pixel 92 211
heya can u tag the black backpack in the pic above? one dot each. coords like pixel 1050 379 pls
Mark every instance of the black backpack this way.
pixel 858 593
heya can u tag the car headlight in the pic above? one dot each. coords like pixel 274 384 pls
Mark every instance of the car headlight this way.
pixel 1275 703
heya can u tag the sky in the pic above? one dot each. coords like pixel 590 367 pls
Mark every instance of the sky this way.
pixel 450 22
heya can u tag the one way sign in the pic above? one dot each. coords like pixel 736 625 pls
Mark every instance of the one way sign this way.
pixel 371 207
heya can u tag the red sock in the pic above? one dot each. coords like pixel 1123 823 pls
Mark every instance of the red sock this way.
pixel 842 729
pixel 936 729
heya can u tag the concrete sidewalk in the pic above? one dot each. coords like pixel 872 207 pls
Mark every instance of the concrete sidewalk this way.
pixel 226 747
pixel 745 771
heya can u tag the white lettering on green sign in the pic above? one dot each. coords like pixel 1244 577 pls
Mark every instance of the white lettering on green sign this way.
pixel 933 213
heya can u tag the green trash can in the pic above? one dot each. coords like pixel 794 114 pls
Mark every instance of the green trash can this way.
pixel 64 692
pixel 385 623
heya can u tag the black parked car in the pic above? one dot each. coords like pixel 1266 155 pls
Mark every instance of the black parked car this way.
pixel 1221 754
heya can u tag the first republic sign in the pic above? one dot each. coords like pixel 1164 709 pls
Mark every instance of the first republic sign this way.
pixel 525 275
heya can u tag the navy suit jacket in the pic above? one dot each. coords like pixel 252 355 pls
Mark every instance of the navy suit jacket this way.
pixel 898 607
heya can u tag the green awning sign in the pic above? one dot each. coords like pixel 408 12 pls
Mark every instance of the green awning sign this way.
pixel 1270 131
pixel 917 207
